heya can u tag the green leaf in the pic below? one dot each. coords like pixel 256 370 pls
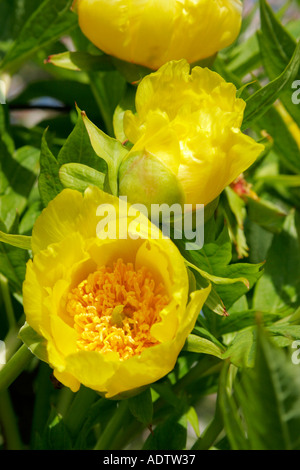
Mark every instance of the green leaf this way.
pixel 49 183
pixel 241 351
pixel 217 279
pixel 78 149
pixel 266 214
pixel 259 103
pixel 107 148
pixel 171 434
pixel 291 332
pixel 133 73
pixel 76 166
pixel 214 259
pixel 202 346
pixel 284 143
pixel 35 342
pixel 235 214
pixel 193 419
pixel 269 396
pixel 13 265
pixel 245 57
pixel 276 46
pixel 47 23
pixel 80 177
pixel 13 259
pixel 18 174
pixel 19 241
pixel 13 16
pixel 80 60
pixel 57 435
pixel 242 319
pixel 289 181
pixel 141 407
pixel 108 89
pixel 280 285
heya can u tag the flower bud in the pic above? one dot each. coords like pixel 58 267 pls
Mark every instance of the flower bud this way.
pixel 145 180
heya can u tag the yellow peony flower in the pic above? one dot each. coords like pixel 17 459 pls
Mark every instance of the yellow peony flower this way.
pixel 189 125
pixel 153 32
pixel 115 313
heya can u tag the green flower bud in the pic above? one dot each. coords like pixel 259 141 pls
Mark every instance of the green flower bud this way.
pixel 146 180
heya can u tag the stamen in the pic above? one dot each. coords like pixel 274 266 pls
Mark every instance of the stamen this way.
pixel 115 308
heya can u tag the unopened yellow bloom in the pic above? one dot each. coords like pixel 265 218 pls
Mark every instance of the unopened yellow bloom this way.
pixel 153 32
pixel 115 313
pixel 190 123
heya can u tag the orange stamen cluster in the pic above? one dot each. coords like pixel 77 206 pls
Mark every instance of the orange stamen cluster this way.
pixel 115 308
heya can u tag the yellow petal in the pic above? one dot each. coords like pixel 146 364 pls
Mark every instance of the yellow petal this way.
pixel 69 212
pixel 49 266
pixel 152 32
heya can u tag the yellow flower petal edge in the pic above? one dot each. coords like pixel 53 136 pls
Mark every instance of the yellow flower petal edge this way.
pixel 153 32
pixel 190 122
pixel 115 313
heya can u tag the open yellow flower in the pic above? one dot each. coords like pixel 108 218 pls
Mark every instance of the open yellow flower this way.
pixel 186 128
pixel 115 313
pixel 153 32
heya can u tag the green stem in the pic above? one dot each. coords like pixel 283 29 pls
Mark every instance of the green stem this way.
pixel 12 342
pixel 66 397
pixel 7 302
pixel 207 365
pixel 206 441
pixel 114 425
pixel 14 367
pixel 77 412
pixel 100 94
pixel 42 402
pixel 9 424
